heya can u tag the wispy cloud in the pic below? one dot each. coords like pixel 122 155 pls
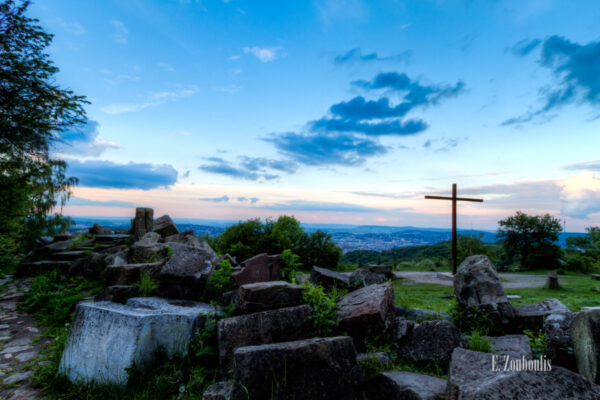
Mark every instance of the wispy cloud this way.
pixel 355 55
pixel 108 174
pixel 166 67
pixel 575 69
pixel 304 205
pixel 74 28
pixel 264 54
pixel 251 200
pixel 152 100
pixel 580 195
pixel 120 31
pixel 222 199
pixel 79 201
pixel 249 168
pixel 83 141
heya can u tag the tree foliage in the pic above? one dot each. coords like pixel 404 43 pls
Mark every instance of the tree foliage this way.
pixel 246 239
pixel 583 252
pixel 469 245
pixel 34 111
pixel 530 239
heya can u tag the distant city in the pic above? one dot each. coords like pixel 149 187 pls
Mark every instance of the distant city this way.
pixel 348 237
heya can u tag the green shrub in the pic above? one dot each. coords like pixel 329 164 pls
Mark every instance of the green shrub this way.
pixel 291 266
pixel 324 316
pixel 474 320
pixel 146 285
pixel 477 342
pixel 537 341
pixel 221 281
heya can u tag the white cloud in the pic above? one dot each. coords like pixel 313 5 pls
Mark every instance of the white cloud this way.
pixel 152 100
pixel 83 141
pixel 74 28
pixel 264 54
pixel 580 195
pixel 120 34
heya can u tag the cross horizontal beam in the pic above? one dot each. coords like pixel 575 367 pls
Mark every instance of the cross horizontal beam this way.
pixel 453 198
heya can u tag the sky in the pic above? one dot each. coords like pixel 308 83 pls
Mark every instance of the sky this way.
pixel 334 111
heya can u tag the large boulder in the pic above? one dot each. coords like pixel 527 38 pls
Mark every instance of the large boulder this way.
pixel 261 296
pixel 97 229
pixel 142 223
pixel 260 268
pixel 363 277
pixel 91 266
pixel 476 284
pixel 367 312
pixel 431 341
pixel 128 274
pixel 585 333
pixel 380 269
pixel 477 376
pixel 531 316
pixel 329 279
pixel 513 346
pixel 271 326
pixel 401 385
pixel 320 368
pixel 106 339
pixel 186 273
pixel 148 249
pixel 165 226
pixel 559 345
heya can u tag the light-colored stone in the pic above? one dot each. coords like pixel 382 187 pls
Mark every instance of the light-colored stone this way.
pixel 17 378
pixel 585 333
pixel 24 357
pixel 106 338
pixel 514 346
pixel 15 349
pixel 531 316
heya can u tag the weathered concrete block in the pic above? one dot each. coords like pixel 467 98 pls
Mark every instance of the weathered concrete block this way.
pixel 107 338
pixel 271 326
pixel 313 369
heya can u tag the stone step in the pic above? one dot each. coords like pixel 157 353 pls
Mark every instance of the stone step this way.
pixel 71 255
pixel 128 274
pixel 37 267
pixel 113 239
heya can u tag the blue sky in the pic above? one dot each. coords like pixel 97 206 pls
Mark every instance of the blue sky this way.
pixel 336 111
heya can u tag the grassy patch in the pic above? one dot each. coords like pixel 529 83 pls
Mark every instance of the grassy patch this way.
pixel 429 296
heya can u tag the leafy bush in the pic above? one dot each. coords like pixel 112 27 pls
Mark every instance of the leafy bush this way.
pixel 221 281
pixel 291 266
pixel 477 342
pixel 473 320
pixel 146 285
pixel 537 341
pixel 324 316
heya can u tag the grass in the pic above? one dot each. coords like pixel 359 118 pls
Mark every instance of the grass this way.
pixel 576 291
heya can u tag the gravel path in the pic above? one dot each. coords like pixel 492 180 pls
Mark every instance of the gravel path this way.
pixel 18 350
pixel 508 280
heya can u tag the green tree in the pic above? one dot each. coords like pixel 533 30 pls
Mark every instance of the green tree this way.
pixel 320 250
pixel 530 239
pixel 242 240
pixel 468 245
pixel 583 252
pixel 34 111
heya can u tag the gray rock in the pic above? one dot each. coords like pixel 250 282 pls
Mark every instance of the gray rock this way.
pixel 186 273
pixel 364 277
pixel 15 349
pixel 97 229
pixel 118 293
pixel 24 357
pixel 367 312
pixel 218 391
pixel 40 267
pixel 113 240
pixel 401 385
pixel 17 378
pixel 147 249
pixel 70 255
pixel 431 341
pixel 328 278
pixel 165 226
pixel 90 266
pixel 106 339
pixel 320 368
pixel 472 376
pixel 476 284
pixel 260 268
pixel 419 314
pixel 380 269
pixel 585 333
pixel 262 296
pixel 531 316
pixel 143 222
pixel 514 346
pixel 280 325
pixel 403 327
pixel 557 328
pixel 128 274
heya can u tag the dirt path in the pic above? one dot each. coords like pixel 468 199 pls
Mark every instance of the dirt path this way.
pixel 18 349
pixel 508 280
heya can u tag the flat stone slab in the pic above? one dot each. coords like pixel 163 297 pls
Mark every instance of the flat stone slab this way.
pixel 514 346
pixel 261 296
pixel 406 385
pixel 128 274
pixel 17 378
pixel 69 255
pixel 107 338
pixel 531 316
pixel 117 238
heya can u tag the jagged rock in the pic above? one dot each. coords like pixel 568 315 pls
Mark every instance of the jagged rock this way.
pixel 557 327
pixel 189 238
pixel 476 284
pixel 380 269
pixel 271 326
pixel 431 341
pixel 91 266
pixel 364 277
pixel 403 327
pixel 165 226
pixel 585 333
pixel 320 368
pixel 143 222
pixel 128 274
pixel 531 316
pixel 105 339
pixel 472 376
pixel 118 293
pixel 513 346
pixel 262 296
pixel 367 312
pixel 186 273
pixel 39 267
pixel 328 278
pixel 260 268
pixel 97 229
pixel 399 385
pixel 147 249
pixel 218 391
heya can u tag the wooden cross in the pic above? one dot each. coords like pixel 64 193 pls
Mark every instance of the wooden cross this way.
pixel 454 200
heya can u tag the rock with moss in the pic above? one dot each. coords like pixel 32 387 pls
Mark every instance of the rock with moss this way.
pixel 585 333
pixel 559 344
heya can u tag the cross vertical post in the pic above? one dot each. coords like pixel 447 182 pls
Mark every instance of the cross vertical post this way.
pixel 454 200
